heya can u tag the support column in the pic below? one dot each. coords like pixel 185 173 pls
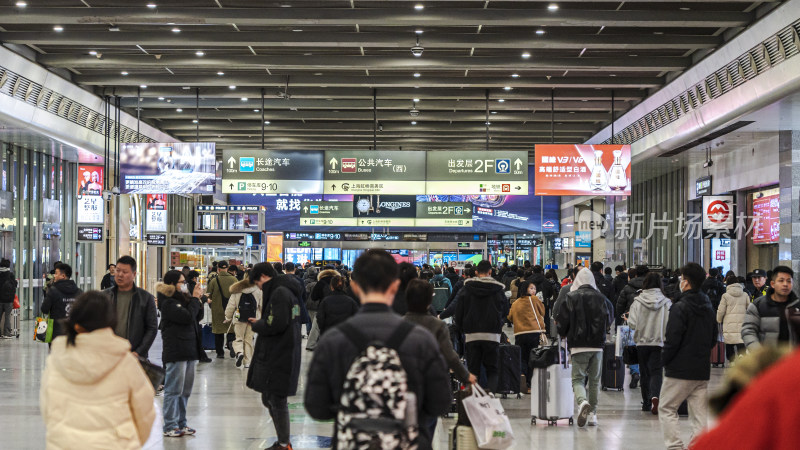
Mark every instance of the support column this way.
pixel 789 176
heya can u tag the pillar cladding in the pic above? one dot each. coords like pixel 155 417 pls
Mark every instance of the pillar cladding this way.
pixel 789 176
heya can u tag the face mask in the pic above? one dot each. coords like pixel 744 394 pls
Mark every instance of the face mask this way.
pixel 184 288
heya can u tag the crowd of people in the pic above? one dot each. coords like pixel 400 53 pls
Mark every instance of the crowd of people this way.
pixel 362 325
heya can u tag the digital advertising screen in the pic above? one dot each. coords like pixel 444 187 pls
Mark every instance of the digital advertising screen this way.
pixel 583 169
pixel 90 180
pixel 767 216
pixel 156 207
pixel 168 168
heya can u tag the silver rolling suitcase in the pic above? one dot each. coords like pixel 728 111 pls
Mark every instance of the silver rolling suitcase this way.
pixel 551 392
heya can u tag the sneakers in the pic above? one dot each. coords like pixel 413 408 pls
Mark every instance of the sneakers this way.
pixel 6 337
pixel 230 347
pixel 592 420
pixel 189 431
pixel 239 359
pixel 277 446
pixel 634 380
pixel 654 408
pixel 175 432
pixel 583 413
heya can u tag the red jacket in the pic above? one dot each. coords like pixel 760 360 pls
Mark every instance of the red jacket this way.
pixel 739 427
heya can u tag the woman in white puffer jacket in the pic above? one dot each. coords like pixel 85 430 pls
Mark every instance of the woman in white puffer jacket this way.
pixel 731 313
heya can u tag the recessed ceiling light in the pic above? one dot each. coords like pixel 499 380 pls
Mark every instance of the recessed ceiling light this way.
pixel 200 53
pixel 413 122
pixel 231 87
pixel 658 32
pixel 256 110
pixel 526 55
pixel 633 55
pixel 488 123
pixel 93 53
pixel 501 100
pixel 418 31
pixel 266 122
pixel 540 32
pixel 685 9
pixel 318 73
pixel 21 4
pixel 613 75
pixel 552 7
pixel 161 98
pixel 58 28
pixel 416 100
pixel 417 75
pixel 307 54
pixel 507 88
pixel 244 99
pixel 179 110
pixel 419 7
pixel 220 73
pixel 514 75
pixel 195 121
pixel 176 30
pixel 285 5
pixel 494 112
pixel 143 86
pixel 123 73
pixel 152 5
pixel 297 30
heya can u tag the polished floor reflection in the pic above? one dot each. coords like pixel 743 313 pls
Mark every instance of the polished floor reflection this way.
pixel 228 415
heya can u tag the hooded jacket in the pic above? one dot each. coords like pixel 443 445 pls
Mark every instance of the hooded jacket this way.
pixel 629 292
pixel 335 308
pixel 542 285
pixel 619 283
pixel 691 334
pixel 275 367
pixel 648 317
pixel 239 288
pixel 762 322
pixel 440 279
pixel 142 319
pixel 58 301
pixel 179 316
pixel 584 317
pixel 8 285
pixel 321 288
pixel 481 309
pixel 731 312
pixel 95 395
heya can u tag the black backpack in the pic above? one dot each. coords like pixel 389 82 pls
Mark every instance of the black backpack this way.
pixel 248 305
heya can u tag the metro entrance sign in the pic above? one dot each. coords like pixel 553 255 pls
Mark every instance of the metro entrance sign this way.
pixel 476 173
pixel 271 172
pixel 374 172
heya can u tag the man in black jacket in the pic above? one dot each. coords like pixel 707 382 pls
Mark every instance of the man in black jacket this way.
pixel 481 307
pixel 713 288
pixel 8 289
pixel 542 285
pixel 603 284
pixel 451 275
pixel 584 319
pixel 60 297
pixel 108 279
pixel 691 334
pixel 137 320
pixel 375 283
pixel 275 368
pixel 623 305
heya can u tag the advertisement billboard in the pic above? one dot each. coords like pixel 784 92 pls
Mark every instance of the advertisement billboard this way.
pixel 767 216
pixel 91 206
pixel 156 219
pixel 168 168
pixel 583 169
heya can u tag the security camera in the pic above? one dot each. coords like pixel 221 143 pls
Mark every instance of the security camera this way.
pixel 414 112
pixel 708 163
pixel 417 50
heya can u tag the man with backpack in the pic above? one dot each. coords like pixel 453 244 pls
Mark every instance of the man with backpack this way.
pixel 275 368
pixel 441 289
pixel 713 288
pixel 244 304
pixel 60 297
pixel 377 348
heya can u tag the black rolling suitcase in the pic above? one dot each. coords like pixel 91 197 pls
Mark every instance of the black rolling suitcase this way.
pixel 509 370
pixel 613 370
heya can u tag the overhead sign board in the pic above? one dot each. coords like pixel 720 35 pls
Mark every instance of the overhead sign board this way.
pixel 271 172
pixel 168 168
pixel 444 214
pixel 90 234
pixel 476 173
pixel 374 172
pixel 321 213
pixel 157 239
pixel 583 169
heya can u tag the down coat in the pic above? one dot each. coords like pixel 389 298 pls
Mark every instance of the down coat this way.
pixel 731 312
pixel 95 395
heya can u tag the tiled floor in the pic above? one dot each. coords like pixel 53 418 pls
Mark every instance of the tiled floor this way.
pixel 227 415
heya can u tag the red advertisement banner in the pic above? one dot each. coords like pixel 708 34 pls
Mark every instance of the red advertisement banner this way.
pixel 90 180
pixel 767 214
pixel 563 169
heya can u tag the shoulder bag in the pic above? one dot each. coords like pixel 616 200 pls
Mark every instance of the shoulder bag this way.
pixel 543 340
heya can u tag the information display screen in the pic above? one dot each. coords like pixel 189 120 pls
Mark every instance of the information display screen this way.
pixel 767 216
pixel 90 234
pixel 168 168
pixel 583 169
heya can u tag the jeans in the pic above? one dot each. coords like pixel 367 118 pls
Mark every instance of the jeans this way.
pixel 527 342
pixel 673 393
pixel 5 310
pixel 733 350
pixel 244 340
pixel 634 369
pixel 652 371
pixel 219 342
pixel 177 389
pixel 483 354
pixel 279 411
pixel 587 365
pixel 311 315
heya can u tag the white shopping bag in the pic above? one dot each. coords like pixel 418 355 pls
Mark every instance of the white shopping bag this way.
pixel 489 420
